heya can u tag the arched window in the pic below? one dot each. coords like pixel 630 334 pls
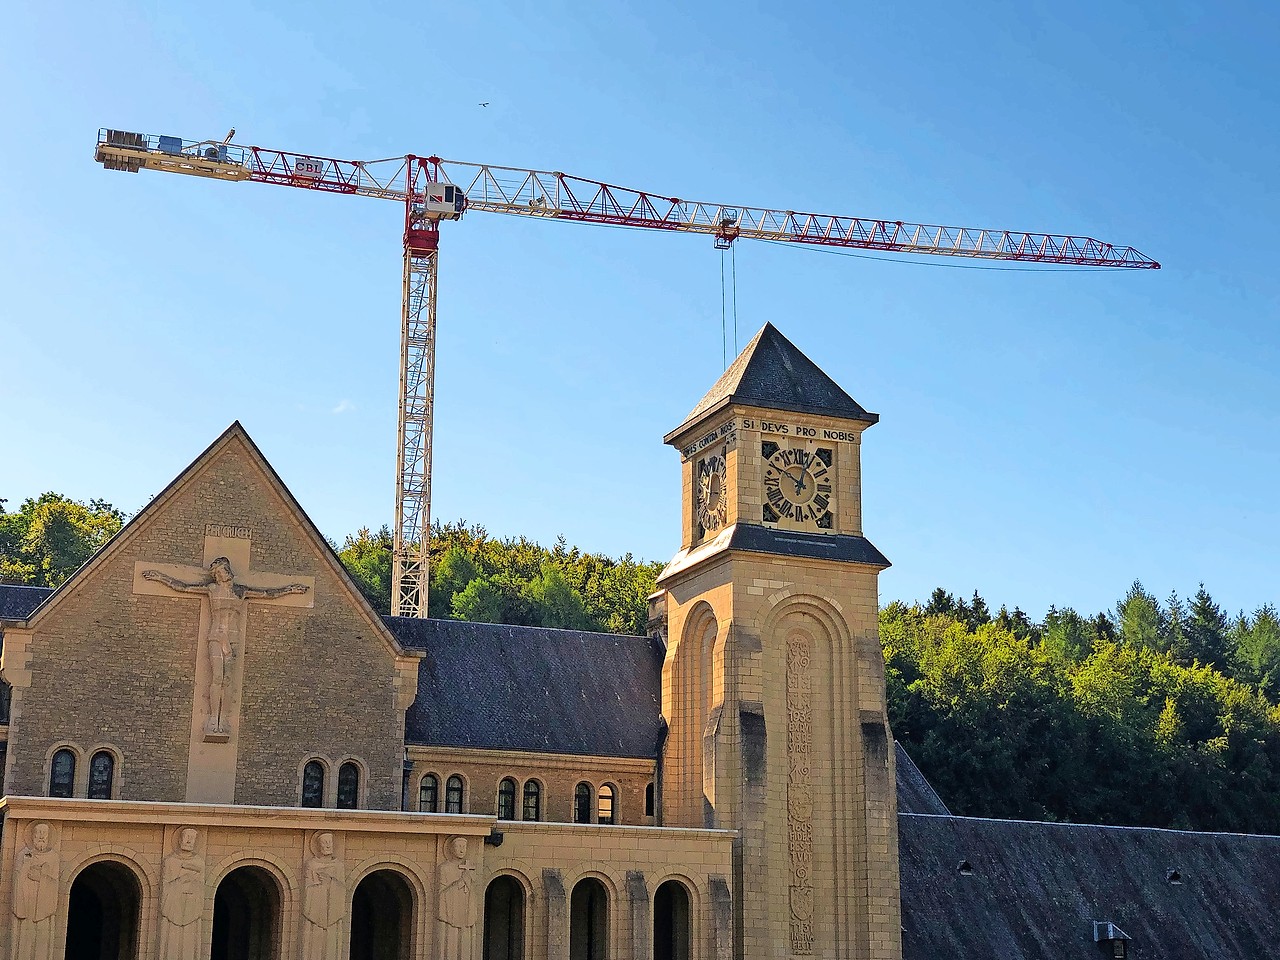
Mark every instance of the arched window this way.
pixel 348 786
pixel 532 800
pixel 102 770
pixel 582 795
pixel 429 794
pixel 648 800
pixel 313 784
pixel 507 799
pixel 604 809
pixel 6 699
pixel 62 774
pixel 453 794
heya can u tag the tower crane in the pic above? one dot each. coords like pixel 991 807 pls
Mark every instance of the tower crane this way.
pixel 432 190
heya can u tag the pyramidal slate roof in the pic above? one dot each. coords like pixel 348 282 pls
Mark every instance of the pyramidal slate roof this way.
pixel 1031 891
pixel 492 686
pixel 771 372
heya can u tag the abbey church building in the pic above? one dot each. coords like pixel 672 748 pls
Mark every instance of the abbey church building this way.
pixel 217 750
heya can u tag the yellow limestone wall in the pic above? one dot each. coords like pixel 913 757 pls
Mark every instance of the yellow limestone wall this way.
pixel 773 690
pixel 546 859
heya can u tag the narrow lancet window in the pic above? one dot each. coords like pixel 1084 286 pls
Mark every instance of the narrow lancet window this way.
pixel 348 786
pixel 313 784
pixel 102 770
pixel 429 794
pixel 62 774
pixel 507 799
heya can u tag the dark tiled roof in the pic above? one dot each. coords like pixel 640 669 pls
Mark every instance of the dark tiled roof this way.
pixel 797 543
pixel 1036 888
pixel 840 548
pixel 17 602
pixel 498 687
pixel 772 372
pixel 915 793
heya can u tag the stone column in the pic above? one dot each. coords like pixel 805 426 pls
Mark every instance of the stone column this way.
pixel 557 915
pixel 641 924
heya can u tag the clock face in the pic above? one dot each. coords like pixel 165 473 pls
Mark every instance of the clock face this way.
pixel 797 485
pixel 711 497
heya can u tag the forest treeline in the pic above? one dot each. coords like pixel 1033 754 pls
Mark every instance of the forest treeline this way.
pixel 1154 713
pixel 514 580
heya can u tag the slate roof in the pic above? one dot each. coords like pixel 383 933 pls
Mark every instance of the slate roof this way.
pixel 772 372
pixel 498 687
pixel 1036 888
pixel 915 793
pixel 18 602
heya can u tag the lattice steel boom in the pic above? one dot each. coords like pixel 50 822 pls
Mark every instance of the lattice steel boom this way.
pixel 432 189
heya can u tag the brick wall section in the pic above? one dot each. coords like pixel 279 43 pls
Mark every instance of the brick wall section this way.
pixel 559 775
pixel 108 666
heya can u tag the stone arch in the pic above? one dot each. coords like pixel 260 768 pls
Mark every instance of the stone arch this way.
pixel 826 776
pixel 506 922
pixel 687 709
pixel 281 872
pixel 384 913
pixel 104 910
pixel 673 913
pixel 591 905
pixel 248 913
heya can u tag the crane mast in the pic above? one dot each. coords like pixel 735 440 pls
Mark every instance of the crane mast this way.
pixel 431 189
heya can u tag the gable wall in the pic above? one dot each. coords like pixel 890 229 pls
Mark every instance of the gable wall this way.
pixel 110 666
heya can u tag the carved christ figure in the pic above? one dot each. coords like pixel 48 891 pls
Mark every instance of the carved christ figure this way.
pixel 228 603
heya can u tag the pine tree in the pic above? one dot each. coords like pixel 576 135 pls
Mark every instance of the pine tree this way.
pixel 1207 631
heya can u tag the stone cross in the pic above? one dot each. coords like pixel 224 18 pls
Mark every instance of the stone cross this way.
pixel 225 586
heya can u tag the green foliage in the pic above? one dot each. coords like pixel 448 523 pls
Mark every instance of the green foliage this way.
pixel 478 577
pixel 51 536
pixel 1071 720
pixel 367 557
pixel 481 601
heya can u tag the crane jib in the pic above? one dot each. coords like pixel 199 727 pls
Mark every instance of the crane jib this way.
pixel 431 189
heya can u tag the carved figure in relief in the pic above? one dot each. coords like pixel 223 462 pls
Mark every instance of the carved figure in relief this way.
pixel 35 896
pixel 182 899
pixel 228 602
pixel 800 793
pixel 457 908
pixel 324 901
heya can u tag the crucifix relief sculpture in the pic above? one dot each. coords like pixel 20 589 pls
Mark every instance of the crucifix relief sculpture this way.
pixel 223 639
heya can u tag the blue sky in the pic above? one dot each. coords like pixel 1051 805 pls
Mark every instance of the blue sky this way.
pixel 1045 437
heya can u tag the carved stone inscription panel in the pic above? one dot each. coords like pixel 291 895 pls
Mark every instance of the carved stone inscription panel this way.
pixel 800 790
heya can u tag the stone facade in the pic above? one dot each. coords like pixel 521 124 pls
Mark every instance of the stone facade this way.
pixel 217 677
pixel 109 665
pixel 546 860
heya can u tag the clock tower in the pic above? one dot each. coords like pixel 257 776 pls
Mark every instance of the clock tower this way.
pixel 773 682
